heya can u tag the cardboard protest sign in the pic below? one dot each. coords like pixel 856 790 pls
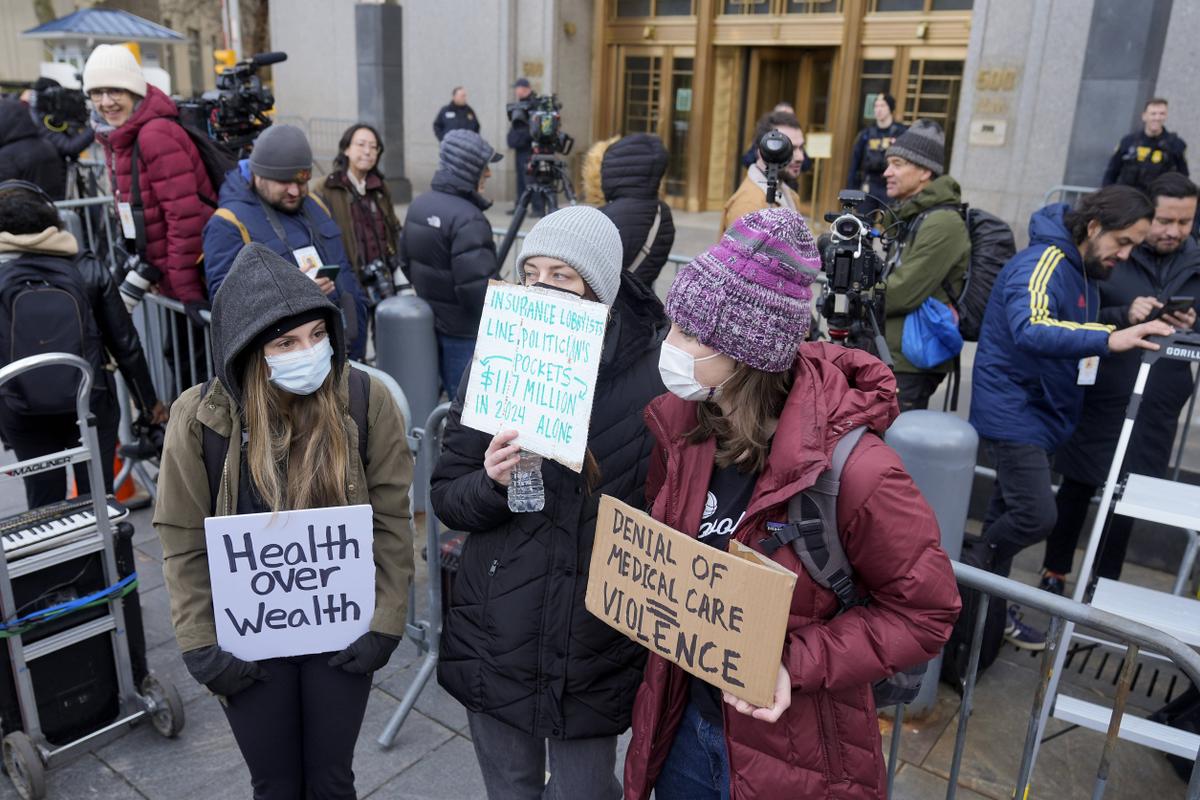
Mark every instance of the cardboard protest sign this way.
pixel 291 583
pixel 534 370
pixel 721 616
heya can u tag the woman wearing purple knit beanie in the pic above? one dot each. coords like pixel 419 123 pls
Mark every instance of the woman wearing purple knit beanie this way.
pixel 752 419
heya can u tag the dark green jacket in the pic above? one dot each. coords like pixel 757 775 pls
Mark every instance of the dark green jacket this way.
pixel 938 253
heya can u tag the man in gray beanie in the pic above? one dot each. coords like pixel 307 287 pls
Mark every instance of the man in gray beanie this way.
pixel 265 199
pixel 930 255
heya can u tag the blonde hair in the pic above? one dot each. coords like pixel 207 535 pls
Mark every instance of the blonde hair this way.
pixel 744 436
pixel 298 447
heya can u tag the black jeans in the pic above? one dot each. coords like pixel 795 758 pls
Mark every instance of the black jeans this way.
pixel 1073 502
pixel 297 729
pixel 1021 512
pixel 915 388
pixel 33 436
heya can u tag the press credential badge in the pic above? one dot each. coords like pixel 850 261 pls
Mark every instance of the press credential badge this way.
pixel 125 212
pixel 1088 367
pixel 309 260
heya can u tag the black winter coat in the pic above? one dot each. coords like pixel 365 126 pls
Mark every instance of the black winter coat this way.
pixel 1140 158
pixel 448 254
pixel 451 118
pixel 519 644
pixel 630 176
pixel 1087 456
pixel 25 155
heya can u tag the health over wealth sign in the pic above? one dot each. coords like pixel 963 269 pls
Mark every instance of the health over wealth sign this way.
pixel 536 359
pixel 721 616
pixel 291 583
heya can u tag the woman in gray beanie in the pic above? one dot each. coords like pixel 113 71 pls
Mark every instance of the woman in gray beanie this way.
pixel 519 649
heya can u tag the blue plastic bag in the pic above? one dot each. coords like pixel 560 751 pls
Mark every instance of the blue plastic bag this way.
pixel 931 335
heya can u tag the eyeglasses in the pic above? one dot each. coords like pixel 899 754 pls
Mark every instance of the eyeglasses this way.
pixel 96 95
pixel 370 147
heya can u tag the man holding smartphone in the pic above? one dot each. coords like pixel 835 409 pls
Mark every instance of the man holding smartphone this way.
pixel 1161 280
pixel 265 199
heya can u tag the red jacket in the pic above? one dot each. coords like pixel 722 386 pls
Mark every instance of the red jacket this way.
pixel 827 744
pixel 172 180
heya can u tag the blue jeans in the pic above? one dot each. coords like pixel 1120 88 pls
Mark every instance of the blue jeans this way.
pixel 697 768
pixel 454 358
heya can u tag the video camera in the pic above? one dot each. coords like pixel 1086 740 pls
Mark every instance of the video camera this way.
pixel 853 298
pixel 541 114
pixel 775 149
pixel 62 108
pixel 236 112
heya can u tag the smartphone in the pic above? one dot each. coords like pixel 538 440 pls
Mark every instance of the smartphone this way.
pixel 1177 304
pixel 329 271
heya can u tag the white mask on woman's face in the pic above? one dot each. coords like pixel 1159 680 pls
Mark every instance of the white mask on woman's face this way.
pixel 303 371
pixel 678 370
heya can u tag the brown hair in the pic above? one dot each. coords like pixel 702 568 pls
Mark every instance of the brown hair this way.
pixel 298 446
pixel 744 437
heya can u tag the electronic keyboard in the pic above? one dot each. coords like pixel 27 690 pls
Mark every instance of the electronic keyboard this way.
pixel 49 526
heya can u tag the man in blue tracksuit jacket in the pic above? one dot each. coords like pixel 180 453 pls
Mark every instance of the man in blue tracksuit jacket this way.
pixel 1037 350
pixel 266 200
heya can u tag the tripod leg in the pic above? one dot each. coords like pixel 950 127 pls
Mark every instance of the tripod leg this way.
pixel 511 234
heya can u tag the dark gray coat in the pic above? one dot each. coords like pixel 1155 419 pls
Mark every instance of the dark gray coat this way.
pixel 630 174
pixel 519 644
pixel 1087 456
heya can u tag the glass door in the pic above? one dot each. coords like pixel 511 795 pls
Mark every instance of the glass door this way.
pixel 656 97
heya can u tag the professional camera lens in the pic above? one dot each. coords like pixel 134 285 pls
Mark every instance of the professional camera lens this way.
pixel 138 279
pixel 847 227
pixel 775 148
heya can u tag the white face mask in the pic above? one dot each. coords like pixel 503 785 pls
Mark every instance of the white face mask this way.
pixel 303 371
pixel 678 370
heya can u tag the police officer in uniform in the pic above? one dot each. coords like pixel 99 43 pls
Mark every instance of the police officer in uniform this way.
pixel 455 115
pixel 1146 154
pixel 869 160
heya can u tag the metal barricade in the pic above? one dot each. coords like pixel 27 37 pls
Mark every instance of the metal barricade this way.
pixel 94 231
pixel 167 336
pixel 1065 193
pixel 1133 636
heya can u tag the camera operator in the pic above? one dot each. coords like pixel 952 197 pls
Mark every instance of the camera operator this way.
pixel 1165 266
pixel 163 211
pixel 931 254
pixel 265 199
pixel 448 252
pixel 1039 346
pixel 751 195
pixel 358 199
pixel 25 155
pixel 32 244
pixel 520 139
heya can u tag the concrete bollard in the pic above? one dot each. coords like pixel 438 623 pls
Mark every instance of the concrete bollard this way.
pixel 406 348
pixel 938 450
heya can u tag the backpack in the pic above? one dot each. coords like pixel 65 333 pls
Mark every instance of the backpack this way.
pixel 812 531
pixel 956 656
pixel 992 245
pixel 44 308
pixel 214 447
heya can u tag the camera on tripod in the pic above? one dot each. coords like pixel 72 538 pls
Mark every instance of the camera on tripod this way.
pixel 852 301
pixel 62 108
pixel 236 112
pixel 542 115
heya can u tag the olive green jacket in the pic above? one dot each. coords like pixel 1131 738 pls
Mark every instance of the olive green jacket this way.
pixel 183 503
pixel 939 253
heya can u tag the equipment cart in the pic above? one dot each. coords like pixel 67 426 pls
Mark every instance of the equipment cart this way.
pixel 27 752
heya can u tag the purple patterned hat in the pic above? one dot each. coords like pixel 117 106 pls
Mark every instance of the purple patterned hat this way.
pixel 748 295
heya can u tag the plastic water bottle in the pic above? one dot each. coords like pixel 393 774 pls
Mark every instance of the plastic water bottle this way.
pixel 526 492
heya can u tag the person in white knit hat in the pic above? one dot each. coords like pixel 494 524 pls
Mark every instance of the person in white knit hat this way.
pixel 163 215
pixel 542 678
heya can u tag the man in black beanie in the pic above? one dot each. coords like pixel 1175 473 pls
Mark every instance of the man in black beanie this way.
pixel 869 158
pixel 930 258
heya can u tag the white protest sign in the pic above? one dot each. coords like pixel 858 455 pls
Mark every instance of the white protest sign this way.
pixel 534 371
pixel 291 583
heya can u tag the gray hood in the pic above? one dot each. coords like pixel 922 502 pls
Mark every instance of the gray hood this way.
pixel 261 289
pixel 463 156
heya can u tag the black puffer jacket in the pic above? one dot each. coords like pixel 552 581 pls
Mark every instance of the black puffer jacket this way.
pixel 519 644
pixel 630 175
pixel 1087 456
pixel 447 251
pixel 25 155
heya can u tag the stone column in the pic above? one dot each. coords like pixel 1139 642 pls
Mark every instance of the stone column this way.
pixel 381 86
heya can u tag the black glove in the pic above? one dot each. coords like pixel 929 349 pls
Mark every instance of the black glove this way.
pixel 221 671
pixel 367 653
pixel 193 310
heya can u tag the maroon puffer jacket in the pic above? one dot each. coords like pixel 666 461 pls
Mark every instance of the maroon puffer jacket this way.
pixel 172 180
pixel 827 744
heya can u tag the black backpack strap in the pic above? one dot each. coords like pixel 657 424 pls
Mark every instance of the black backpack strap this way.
pixel 135 202
pixel 812 528
pixel 213 447
pixel 360 392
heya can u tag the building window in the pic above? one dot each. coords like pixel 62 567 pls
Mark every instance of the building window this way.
pixel 876 80
pixel 681 115
pixel 932 93
pixel 747 7
pixel 643 79
pixel 655 8
pixel 922 5
pixel 813 7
